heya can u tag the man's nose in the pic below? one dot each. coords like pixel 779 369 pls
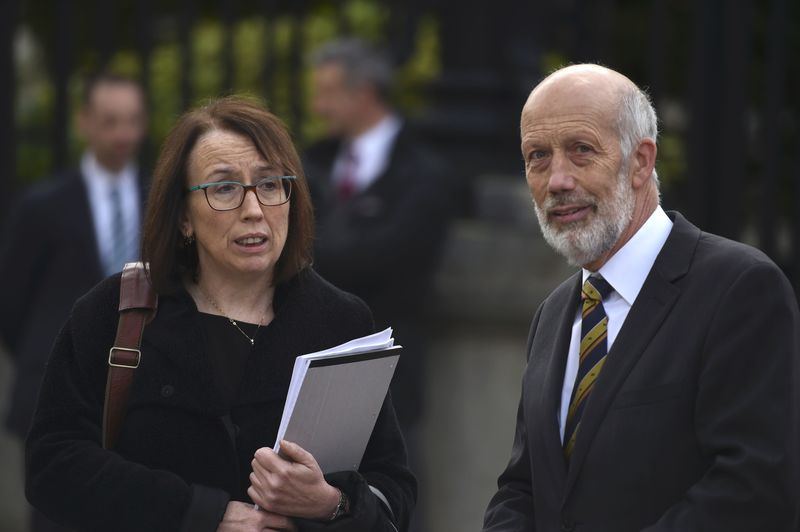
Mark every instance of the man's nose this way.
pixel 561 174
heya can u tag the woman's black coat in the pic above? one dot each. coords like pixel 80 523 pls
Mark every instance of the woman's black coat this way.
pixel 181 456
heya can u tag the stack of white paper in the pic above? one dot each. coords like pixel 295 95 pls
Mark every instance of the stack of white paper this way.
pixel 334 398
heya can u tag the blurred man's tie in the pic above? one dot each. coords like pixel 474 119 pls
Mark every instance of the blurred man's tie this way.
pixel 346 180
pixel 123 238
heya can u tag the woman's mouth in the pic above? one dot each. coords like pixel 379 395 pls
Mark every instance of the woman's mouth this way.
pixel 251 241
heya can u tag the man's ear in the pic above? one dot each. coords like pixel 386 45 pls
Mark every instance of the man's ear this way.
pixel 642 162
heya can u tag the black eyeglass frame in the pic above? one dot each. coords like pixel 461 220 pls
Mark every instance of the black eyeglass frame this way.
pixel 283 178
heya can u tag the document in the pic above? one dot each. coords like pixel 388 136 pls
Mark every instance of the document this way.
pixel 335 397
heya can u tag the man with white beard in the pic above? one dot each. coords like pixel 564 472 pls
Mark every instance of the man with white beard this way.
pixel 661 391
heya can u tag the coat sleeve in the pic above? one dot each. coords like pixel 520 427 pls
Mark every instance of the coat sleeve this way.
pixel 72 480
pixel 747 412
pixel 384 469
pixel 511 508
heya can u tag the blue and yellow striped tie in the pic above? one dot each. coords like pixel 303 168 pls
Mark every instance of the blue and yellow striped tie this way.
pixel 594 334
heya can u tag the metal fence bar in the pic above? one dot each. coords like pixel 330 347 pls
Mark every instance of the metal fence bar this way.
pixel 268 67
pixel 771 127
pixel 8 24
pixel 185 22
pixel 144 45
pixel 62 68
pixel 104 26
pixel 228 11
pixel 296 86
pixel 732 154
pixel 657 50
pixel 794 272
pixel 701 76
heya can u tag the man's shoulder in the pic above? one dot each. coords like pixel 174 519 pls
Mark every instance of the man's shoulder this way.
pixel 411 142
pixel 44 197
pixel 316 288
pixel 52 187
pixel 564 292
pixel 717 253
pixel 104 294
pixel 728 262
pixel 709 264
pixel 322 150
pixel 319 302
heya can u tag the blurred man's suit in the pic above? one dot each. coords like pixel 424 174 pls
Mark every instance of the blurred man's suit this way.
pixel 50 254
pixel 382 245
pixel 66 234
pixel 49 257
pixel 707 318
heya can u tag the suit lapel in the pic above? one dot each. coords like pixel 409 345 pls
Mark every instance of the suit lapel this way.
pixel 81 216
pixel 554 334
pixel 653 304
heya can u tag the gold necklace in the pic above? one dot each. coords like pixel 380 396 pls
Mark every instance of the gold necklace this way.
pixel 231 320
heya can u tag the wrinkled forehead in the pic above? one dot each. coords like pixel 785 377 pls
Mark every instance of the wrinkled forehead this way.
pixel 566 111
pixel 571 98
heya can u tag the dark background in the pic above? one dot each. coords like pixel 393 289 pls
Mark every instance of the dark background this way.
pixel 724 77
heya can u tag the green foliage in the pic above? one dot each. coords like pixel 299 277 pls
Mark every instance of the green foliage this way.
pixel 262 64
pixel 671 160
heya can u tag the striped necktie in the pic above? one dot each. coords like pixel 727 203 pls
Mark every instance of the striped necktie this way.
pixel 593 349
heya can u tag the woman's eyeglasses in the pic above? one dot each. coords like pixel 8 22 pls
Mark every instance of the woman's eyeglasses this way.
pixel 229 195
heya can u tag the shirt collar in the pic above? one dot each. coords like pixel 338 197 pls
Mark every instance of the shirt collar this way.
pixel 378 136
pixel 629 267
pixel 93 171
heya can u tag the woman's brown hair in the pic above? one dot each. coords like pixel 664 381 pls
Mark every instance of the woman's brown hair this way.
pixel 163 244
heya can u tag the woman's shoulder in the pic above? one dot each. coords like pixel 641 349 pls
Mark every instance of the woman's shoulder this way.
pixel 103 296
pixel 92 322
pixel 313 286
pixel 312 291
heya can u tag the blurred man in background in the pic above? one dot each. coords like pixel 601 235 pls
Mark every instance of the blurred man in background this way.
pixel 382 205
pixel 68 233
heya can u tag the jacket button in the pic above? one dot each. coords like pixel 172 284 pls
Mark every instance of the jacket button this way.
pixel 167 390
pixel 567 524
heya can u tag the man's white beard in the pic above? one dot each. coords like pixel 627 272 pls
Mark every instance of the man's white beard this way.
pixel 587 240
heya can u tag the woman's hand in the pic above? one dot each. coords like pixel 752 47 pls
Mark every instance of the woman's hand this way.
pixel 292 484
pixel 242 517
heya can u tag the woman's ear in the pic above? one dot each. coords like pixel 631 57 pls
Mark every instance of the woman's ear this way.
pixel 186 226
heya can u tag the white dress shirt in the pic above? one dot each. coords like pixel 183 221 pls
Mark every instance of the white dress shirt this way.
pixel 99 182
pixel 371 150
pixel 626 272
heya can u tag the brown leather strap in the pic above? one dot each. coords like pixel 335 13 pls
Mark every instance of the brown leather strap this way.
pixel 137 306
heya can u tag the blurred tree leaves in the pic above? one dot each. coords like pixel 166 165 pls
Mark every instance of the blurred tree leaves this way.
pixel 263 64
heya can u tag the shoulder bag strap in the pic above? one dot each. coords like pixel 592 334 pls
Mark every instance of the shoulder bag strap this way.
pixel 137 306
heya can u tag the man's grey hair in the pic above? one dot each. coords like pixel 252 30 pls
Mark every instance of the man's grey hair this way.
pixel 361 63
pixel 637 121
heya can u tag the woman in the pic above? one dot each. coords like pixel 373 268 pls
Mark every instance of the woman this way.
pixel 238 301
